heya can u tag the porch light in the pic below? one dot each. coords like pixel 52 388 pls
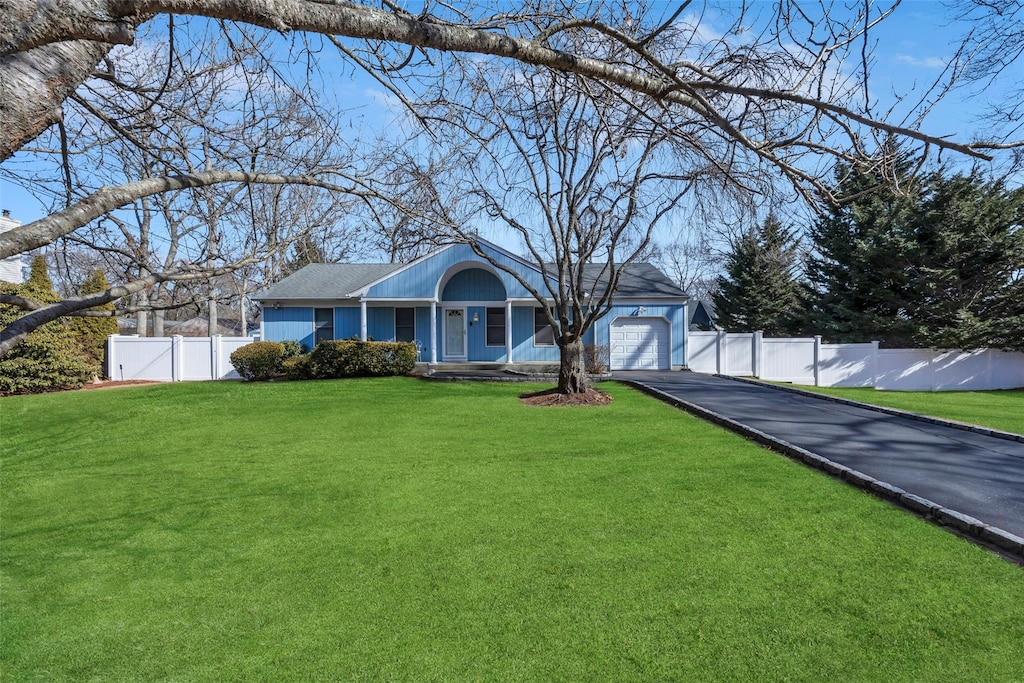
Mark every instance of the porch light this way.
pixel 476 317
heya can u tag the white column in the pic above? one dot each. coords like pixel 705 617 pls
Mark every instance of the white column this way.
pixel 508 332
pixel 362 319
pixel 433 333
pixel 686 333
pixel 817 359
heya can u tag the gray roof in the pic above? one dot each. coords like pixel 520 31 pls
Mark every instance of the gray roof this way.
pixel 326 280
pixel 338 280
pixel 638 280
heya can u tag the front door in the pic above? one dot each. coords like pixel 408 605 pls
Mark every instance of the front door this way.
pixel 455 333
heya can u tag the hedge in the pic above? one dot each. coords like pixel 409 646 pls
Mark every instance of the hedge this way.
pixel 353 358
pixel 259 360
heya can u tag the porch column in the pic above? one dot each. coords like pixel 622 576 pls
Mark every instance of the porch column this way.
pixel 362 319
pixel 508 332
pixel 433 333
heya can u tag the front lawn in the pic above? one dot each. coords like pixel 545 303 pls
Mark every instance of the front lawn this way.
pixel 1002 410
pixel 402 530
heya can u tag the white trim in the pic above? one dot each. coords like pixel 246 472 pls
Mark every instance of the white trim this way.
pixel 533 327
pixel 399 300
pixel 508 332
pixel 433 333
pixel 508 324
pixel 364 290
pixel 492 304
pixel 444 334
pixel 362 320
pixel 462 266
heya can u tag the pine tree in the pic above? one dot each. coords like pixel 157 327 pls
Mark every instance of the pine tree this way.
pixel 760 290
pixel 860 267
pixel 970 266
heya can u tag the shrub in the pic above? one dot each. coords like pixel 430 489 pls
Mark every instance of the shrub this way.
pixel 93 332
pixel 293 348
pixel 353 358
pixel 297 367
pixel 596 358
pixel 259 360
pixel 51 357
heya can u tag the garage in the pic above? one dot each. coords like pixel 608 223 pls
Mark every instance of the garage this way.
pixel 640 344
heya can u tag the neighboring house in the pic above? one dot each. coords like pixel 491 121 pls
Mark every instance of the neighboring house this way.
pixel 458 308
pixel 703 315
pixel 199 326
pixel 12 268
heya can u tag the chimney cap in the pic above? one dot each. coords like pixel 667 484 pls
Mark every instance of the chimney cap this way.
pixel 7 213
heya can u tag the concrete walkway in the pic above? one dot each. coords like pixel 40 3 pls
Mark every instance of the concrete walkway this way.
pixel 978 475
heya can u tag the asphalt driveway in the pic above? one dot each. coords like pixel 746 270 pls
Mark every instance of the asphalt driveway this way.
pixel 981 476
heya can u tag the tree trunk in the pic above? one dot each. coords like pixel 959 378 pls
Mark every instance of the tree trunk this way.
pixel 158 323
pixel 572 374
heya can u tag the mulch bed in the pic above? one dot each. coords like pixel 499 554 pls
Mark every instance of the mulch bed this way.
pixel 551 397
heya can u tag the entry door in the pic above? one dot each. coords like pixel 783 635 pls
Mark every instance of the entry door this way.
pixel 455 333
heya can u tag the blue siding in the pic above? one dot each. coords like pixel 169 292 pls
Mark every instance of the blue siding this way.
pixel 423 331
pixel 523 350
pixel 289 322
pixel 675 314
pixel 421 280
pixel 346 322
pixel 475 284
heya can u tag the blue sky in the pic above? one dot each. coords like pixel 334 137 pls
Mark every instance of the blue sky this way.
pixel 913 46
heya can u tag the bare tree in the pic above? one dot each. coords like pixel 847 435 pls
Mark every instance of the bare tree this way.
pixel 579 175
pixel 782 92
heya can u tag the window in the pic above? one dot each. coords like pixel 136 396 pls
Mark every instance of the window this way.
pixel 543 335
pixel 323 325
pixel 495 326
pixel 405 324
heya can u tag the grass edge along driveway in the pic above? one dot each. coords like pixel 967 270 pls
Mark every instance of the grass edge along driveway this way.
pixel 398 529
pixel 1000 409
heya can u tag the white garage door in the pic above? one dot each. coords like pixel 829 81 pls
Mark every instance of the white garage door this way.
pixel 640 344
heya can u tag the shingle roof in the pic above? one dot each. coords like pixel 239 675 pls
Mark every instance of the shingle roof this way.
pixel 326 280
pixel 638 279
pixel 338 280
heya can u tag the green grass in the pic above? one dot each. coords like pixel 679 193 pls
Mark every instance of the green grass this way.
pixel 1002 410
pixel 404 530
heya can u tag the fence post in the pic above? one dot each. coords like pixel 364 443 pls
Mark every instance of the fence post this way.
pixel 817 360
pixel 874 365
pixel 215 359
pixel 177 358
pixel 720 353
pixel 111 356
pixel 931 366
pixel 756 349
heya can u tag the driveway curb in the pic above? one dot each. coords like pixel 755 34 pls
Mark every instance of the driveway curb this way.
pixel 973 529
pixel 986 431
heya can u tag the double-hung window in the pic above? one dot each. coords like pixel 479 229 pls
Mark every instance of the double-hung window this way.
pixel 543 335
pixel 323 325
pixel 495 326
pixel 405 324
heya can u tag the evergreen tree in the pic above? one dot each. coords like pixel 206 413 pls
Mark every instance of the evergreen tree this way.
pixel 970 264
pixel 93 332
pixel 51 357
pixel 859 270
pixel 305 251
pixel 759 290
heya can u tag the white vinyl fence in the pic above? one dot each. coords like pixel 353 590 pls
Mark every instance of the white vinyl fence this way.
pixel 172 359
pixel 808 361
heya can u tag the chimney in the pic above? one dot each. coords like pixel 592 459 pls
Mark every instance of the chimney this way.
pixel 7 213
